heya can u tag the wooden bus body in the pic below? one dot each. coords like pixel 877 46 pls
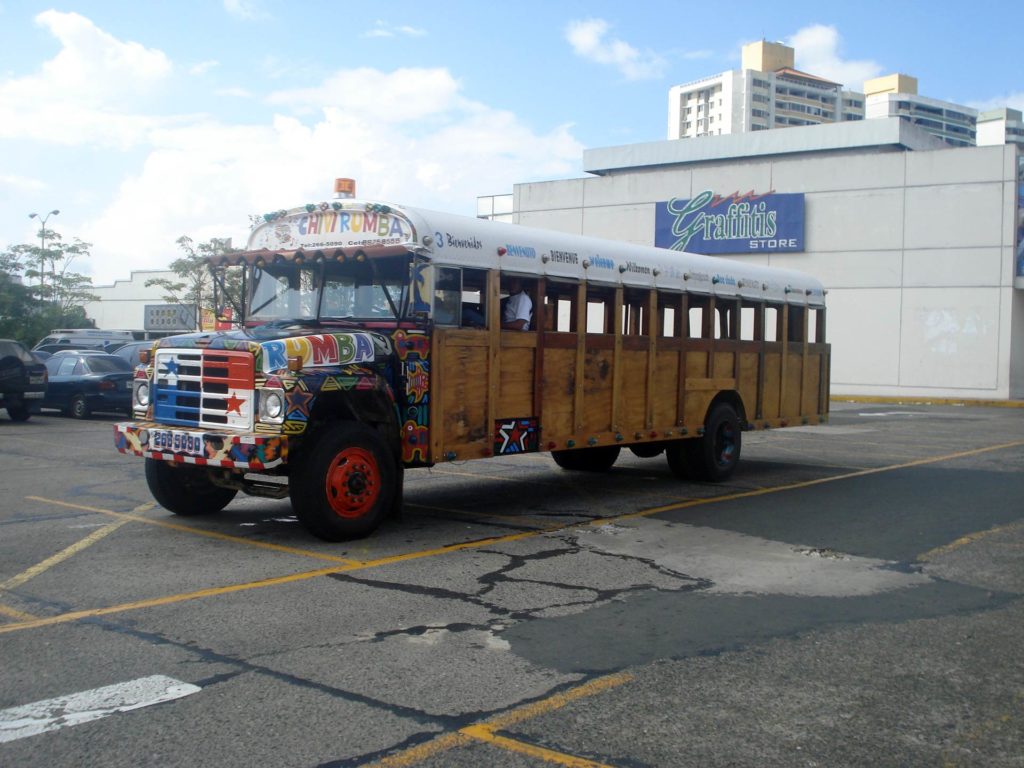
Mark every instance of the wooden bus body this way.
pixel 628 346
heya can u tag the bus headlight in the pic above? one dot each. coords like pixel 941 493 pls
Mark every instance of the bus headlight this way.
pixel 272 405
pixel 142 394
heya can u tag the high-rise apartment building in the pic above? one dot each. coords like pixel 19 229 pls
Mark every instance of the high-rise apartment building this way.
pixel 896 96
pixel 769 92
pixel 766 92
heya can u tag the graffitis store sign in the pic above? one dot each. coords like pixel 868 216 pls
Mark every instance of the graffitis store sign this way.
pixel 749 223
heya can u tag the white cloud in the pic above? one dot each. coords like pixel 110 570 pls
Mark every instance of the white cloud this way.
pixel 21 183
pixel 1013 100
pixel 203 67
pixel 382 28
pixel 394 97
pixel 440 152
pixel 85 93
pixel 589 40
pixel 244 9
pixel 407 136
pixel 817 53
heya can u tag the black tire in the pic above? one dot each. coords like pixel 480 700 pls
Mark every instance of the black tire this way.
pixel 344 487
pixel 79 408
pixel 185 489
pixel 714 455
pixel 647 450
pixel 598 459
pixel 18 412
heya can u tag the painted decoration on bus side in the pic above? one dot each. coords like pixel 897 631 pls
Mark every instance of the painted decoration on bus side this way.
pixel 332 225
pixel 412 347
pixel 516 436
pixel 736 223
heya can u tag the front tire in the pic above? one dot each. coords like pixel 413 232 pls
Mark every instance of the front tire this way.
pixel 185 489
pixel 19 412
pixel 345 487
pixel 598 459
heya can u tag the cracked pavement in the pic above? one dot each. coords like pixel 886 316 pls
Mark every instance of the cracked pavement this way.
pixel 837 602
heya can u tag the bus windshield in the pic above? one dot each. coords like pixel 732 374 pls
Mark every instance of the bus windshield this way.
pixel 372 289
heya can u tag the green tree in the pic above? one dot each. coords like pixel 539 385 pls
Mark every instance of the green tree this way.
pixel 195 285
pixel 54 300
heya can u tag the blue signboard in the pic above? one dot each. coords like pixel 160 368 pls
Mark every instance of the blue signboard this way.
pixel 710 223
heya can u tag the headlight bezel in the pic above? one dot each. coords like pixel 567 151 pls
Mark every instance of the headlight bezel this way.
pixel 271 400
pixel 141 393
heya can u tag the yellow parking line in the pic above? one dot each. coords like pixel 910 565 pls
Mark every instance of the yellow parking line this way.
pixel 64 554
pixel 392 559
pixel 485 731
pixel 559 700
pixel 422 752
pixel 13 614
pixel 198 531
pixel 962 541
pixel 487 735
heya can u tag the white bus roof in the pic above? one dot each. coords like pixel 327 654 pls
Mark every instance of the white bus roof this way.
pixel 343 227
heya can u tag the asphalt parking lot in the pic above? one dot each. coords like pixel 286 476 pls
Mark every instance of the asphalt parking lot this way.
pixel 852 596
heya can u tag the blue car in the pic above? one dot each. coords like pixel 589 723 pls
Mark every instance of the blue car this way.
pixel 81 384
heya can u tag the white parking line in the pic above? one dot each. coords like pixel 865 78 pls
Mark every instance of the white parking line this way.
pixel 76 708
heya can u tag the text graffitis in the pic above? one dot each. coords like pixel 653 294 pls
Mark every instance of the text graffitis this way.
pixel 736 223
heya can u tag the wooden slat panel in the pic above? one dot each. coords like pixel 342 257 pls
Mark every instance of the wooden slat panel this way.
pixel 597 390
pixel 772 373
pixel 747 381
pixel 515 385
pixel 791 385
pixel 725 362
pixel 464 395
pixel 666 390
pixel 632 409
pixel 559 389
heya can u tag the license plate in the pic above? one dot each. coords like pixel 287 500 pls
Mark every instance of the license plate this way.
pixel 175 441
pixel 128 385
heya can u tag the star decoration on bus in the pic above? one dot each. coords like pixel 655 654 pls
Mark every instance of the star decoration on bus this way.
pixel 512 437
pixel 234 403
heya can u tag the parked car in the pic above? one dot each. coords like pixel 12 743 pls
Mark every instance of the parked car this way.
pixel 22 380
pixel 130 351
pixel 55 348
pixel 84 382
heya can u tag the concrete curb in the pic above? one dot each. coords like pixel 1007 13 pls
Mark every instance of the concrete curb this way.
pixel 965 402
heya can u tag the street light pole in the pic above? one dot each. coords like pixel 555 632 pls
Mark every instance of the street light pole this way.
pixel 42 247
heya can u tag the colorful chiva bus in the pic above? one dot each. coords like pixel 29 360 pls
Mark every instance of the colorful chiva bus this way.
pixel 377 338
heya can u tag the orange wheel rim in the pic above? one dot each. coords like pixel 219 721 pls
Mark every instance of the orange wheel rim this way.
pixel 353 482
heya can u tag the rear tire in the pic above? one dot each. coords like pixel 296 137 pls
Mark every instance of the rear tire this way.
pixel 587 459
pixel 185 489
pixel 346 484
pixel 713 456
pixel 79 408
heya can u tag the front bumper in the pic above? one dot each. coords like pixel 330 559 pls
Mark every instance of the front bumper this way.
pixel 239 451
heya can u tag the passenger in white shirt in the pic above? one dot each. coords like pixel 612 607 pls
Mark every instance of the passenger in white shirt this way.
pixel 517 308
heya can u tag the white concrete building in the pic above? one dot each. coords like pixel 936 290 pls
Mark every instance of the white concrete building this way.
pixel 918 243
pixel 123 304
pixel 1000 126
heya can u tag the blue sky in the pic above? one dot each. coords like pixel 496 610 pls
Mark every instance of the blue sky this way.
pixel 144 121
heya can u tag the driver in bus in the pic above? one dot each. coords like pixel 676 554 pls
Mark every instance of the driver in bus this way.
pixel 516 308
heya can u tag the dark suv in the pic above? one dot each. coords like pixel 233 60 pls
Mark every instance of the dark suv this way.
pixel 23 380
